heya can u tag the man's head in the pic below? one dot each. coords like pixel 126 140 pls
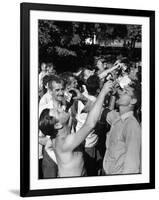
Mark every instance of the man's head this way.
pixel 69 80
pixel 46 123
pixel 51 120
pixel 56 87
pixel 100 64
pixel 133 74
pixel 43 67
pixel 130 96
pixel 50 68
pixel 88 71
pixel 92 85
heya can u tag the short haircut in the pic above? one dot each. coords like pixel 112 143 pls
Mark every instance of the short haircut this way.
pixel 136 85
pixel 89 67
pixel 46 123
pixel 43 63
pixel 49 65
pixel 46 79
pixel 81 76
pixel 66 77
pixel 93 84
pixel 137 94
pixel 56 79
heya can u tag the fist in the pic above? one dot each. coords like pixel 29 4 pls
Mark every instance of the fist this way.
pixel 108 86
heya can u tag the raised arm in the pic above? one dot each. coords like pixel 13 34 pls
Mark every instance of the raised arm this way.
pixel 94 114
pixel 107 71
pixel 74 140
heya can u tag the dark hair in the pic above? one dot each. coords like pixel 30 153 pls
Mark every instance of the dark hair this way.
pixel 139 75
pixel 46 80
pixel 54 78
pixel 136 85
pixel 49 65
pixel 89 67
pixel 46 123
pixel 93 84
pixel 65 76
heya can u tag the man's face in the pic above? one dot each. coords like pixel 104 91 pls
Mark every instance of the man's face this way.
pixel 51 69
pixel 74 82
pixel 88 73
pixel 133 74
pixel 100 65
pixel 125 96
pixel 57 91
pixel 43 67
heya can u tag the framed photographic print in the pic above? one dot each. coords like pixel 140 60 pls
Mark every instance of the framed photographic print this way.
pixel 87 99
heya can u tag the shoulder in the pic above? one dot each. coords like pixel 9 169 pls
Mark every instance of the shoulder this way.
pixel 132 122
pixel 132 126
pixel 59 143
pixel 43 99
pixel 65 143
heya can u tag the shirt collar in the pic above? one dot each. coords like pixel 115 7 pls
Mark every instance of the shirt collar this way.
pixel 126 115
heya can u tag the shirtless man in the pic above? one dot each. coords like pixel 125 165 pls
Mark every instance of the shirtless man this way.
pixel 66 145
pixel 52 99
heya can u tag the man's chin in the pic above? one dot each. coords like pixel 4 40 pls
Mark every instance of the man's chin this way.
pixel 61 99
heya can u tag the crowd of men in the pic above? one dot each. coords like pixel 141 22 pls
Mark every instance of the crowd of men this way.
pixel 90 120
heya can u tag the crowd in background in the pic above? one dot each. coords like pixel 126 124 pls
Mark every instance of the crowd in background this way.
pixel 90 119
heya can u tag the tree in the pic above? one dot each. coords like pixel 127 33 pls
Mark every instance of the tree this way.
pixel 134 34
pixel 58 37
pixel 110 32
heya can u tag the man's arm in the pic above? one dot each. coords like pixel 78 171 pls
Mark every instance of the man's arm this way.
pixel 73 140
pixel 107 71
pixel 79 96
pixel 133 145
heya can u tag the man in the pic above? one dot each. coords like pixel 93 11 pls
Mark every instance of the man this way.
pixel 53 99
pixel 70 83
pixel 50 69
pixel 123 141
pixel 42 74
pixel 67 146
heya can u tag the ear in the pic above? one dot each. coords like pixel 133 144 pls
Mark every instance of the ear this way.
pixel 133 101
pixel 58 125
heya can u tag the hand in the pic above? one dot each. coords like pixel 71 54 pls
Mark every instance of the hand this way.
pixel 108 86
pixel 49 145
pixel 78 93
pixel 117 66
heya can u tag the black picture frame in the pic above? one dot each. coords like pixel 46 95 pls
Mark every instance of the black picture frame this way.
pixel 25 9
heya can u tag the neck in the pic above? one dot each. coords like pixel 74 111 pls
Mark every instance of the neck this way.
pixel 56 103
pixel 123 109
pixel 63 131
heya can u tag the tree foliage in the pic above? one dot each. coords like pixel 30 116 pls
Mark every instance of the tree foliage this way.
pixel 58 37
pixel 134 34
